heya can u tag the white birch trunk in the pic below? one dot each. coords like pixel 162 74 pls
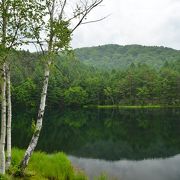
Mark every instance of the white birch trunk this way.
pixel 9 119
pixel 3 120
pixel 36 134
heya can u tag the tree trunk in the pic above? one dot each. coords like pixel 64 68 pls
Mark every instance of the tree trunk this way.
pixel 3 120
pixel 37 131
pixel 9 119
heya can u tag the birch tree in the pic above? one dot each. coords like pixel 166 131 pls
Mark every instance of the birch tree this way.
pixel 64 17
pixel 9 117
pixel 4 9
pixel 3 120
pixel 15 17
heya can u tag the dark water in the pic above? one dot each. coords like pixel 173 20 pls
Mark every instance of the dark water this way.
pixel 102 136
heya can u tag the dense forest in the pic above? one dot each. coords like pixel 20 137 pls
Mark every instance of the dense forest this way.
pixel 107 75
pixel 121 57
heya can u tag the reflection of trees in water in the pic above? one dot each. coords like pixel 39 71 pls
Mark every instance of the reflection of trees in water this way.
pixel 107 134
pixel 22 129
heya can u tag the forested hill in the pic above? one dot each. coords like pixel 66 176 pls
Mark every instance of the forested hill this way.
pixel 73 83
pixel 120 57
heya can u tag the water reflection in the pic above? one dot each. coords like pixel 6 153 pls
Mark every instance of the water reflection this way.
pixel 105 134
pixel 157 169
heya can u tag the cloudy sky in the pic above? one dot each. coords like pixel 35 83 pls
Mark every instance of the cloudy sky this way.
pixel 145 22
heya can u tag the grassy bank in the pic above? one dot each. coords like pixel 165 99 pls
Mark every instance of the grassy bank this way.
pixel 131 107
pixel 44 166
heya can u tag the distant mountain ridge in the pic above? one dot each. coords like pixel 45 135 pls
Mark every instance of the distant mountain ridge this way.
pixel 114 56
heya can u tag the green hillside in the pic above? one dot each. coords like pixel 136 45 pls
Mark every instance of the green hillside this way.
pixel 73 83
pixel 116 56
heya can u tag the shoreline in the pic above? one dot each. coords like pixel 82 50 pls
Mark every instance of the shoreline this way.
pixel 131 106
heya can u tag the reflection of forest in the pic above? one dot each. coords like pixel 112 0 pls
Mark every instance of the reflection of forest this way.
pixel 106 134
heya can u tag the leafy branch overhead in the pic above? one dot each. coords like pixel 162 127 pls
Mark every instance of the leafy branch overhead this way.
pixel 20 16
pixel 60 19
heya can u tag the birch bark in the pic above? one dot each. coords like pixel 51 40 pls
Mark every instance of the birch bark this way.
pixel 3 120
pixel 3 90
pixel 9 119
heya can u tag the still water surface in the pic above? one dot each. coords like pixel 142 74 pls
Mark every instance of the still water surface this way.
pixel 156 169
pixel 112 141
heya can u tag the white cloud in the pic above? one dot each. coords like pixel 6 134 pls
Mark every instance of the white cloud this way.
pixel 147 22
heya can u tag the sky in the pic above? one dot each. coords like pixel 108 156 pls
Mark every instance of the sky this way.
pixel 144 22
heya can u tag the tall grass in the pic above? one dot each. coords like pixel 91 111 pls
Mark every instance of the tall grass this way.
pixel 46 166
pixel 103 176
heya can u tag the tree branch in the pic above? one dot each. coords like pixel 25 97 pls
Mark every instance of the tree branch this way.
pixel 94 21
pixel 62 9
pixel 86 11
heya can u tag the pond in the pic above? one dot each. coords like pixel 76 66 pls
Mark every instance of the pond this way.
pixel 108 138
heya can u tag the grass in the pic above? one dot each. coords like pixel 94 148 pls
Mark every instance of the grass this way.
pixel 131 107
pixel 44 166
pixel 103 176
